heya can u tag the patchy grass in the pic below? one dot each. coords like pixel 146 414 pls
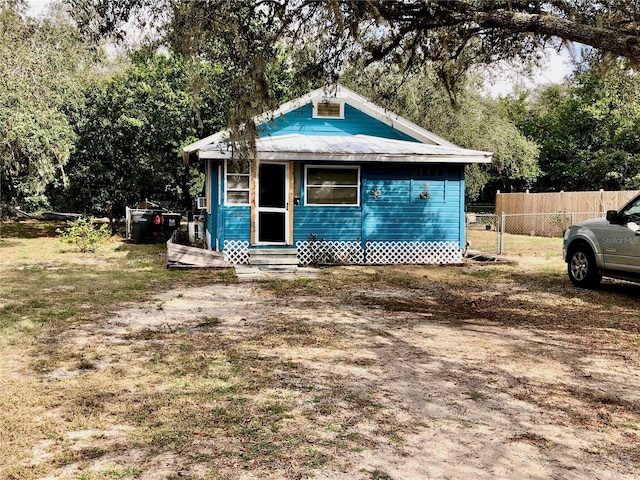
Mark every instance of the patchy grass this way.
pixel 115 368
pixel 42 282
pixel 482 240
pixel 29 229
pixel 46 290
pixel 516 245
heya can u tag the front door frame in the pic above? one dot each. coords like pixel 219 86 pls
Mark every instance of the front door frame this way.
pixel 286 210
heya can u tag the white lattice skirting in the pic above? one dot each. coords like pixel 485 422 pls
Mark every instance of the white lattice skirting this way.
pixel 385 253
pixel 378 253
pixel 326 252
pixel 236 252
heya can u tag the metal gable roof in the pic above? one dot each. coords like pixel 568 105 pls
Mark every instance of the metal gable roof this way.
pixel 356 147
pixel 360 148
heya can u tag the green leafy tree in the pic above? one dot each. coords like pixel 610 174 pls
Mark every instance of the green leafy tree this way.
pixel 474 122
pixel 43 65
pixel 588 129
pixel 131 132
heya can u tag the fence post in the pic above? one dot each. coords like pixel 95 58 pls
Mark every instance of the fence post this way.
pixel 503 218
pixel 127 214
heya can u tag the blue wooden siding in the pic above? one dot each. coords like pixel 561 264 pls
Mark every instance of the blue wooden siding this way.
pixel 354 122
pixel 398 214
pixel 327 223
pixel 462 219
pixel 334 223
pixel 236 223
pixel 225 222
pixel 212 218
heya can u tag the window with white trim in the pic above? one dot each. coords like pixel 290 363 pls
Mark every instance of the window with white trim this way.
pixel 332 185
pixel 237 183
pixel 328 109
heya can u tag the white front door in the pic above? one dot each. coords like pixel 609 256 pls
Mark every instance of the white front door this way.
pixel 272 217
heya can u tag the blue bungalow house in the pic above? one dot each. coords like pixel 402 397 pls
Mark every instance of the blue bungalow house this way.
pixel 336 179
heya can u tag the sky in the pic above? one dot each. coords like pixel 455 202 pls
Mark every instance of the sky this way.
pixel 38 7
pixel 556 67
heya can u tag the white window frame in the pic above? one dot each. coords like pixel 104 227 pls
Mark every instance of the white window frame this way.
pixel 332 100
pixel 331 167
pixel 227 189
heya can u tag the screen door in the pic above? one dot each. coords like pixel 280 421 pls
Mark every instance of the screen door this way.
pixel 273 208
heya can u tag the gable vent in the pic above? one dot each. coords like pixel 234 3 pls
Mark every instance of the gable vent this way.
pixel 328 109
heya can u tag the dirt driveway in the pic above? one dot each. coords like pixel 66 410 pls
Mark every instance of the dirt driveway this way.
pixel 366 373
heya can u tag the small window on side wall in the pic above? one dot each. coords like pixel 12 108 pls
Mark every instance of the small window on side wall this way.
pixel 237 183
pixel 332 185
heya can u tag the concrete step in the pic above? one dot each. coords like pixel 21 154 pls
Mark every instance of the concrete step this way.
pixel 273 251
pixel 273 260
pixel 273 256
pixel 249 273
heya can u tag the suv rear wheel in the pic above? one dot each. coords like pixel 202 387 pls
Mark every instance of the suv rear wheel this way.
pixel 582 268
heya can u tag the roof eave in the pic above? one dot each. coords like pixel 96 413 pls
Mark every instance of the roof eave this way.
pixel 352 157
pixel 210 140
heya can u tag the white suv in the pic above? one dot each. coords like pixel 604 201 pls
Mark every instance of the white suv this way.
pixel 607 247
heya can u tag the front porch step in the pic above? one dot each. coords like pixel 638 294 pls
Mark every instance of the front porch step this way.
pixel 249 273
pixel 273 256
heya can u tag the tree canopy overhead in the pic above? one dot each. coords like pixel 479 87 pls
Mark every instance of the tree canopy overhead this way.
pixel 69 126
pixel 449 35
pixel 435 29
pixel 608 25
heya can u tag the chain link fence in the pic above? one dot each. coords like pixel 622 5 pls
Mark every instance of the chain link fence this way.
pixel 492 233
pixel 481 232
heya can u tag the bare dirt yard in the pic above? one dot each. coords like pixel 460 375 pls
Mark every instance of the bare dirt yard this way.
pixel 404 372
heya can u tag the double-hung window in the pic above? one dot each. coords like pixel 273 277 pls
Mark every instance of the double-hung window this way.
pixel 237 183
pixel 332 185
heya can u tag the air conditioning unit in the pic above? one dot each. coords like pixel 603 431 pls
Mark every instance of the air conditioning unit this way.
pixel 196 231
pixel 202 203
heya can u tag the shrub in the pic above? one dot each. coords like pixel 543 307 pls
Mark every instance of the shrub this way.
pixel 84 235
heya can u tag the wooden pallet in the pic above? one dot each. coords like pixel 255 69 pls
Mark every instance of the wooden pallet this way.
pixel 183 256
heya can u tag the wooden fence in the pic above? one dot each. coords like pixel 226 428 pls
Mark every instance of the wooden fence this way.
pixel 562 202
pixel 546 214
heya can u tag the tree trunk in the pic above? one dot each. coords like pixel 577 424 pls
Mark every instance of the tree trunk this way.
pixel 605 39
pixel 184 185
pixel 609 31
